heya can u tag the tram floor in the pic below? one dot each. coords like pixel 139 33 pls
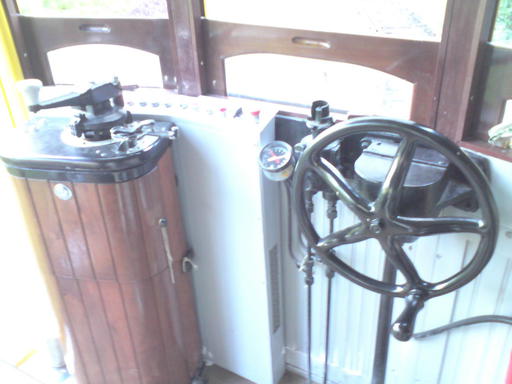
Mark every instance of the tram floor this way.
pixel 218 375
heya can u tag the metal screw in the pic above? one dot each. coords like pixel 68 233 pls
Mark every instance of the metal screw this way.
pixel 376 226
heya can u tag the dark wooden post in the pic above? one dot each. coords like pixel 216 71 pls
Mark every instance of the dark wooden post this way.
pixel 185 16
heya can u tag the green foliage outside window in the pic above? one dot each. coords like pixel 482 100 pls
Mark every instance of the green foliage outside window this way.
pixel 503 27
pixel 94 8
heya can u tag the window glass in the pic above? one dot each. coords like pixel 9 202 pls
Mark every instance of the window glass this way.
pixel 410 19
pixel 503 28
pixel 94 8
pixel 81 64
pixel 299 81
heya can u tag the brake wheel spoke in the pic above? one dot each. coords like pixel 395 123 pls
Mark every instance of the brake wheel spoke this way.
pixel 390 190
pixel 402 262
pixel 420 226
pixel 334 180
pixel 349 235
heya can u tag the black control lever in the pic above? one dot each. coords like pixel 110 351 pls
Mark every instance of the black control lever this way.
pixel 96 96
pixel 101 109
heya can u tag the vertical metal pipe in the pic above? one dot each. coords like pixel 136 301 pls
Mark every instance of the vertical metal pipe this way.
pixel 380 358
pixel 329 274
pixel 309 283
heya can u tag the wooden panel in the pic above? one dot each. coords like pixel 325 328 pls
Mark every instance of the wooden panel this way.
pixel 187 40
pixel 144 323
pixel 48 219
pixel 82 334
pixel 171 203
pixel 102 333
pixel 470 25
pixel 175 337
pixel 73 235
pixel 122 338
pixel 129 323
pixel 89 205
pixel 151 210
pixel 183 289
pixel 414 61
pixel 124 230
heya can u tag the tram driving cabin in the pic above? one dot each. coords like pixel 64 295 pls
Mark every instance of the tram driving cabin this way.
pixel 213 191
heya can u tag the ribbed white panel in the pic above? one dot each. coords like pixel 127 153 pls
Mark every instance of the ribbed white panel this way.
pixel 354 310
pixel 474 354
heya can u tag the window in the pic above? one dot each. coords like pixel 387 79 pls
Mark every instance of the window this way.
pixel 94 8
pixel 74 41
pixel 73 65
pixel 299 81
pixel 503 28
pixel 410 19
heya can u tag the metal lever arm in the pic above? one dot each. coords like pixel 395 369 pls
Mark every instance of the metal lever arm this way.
pixel 403 327
pixel 94 95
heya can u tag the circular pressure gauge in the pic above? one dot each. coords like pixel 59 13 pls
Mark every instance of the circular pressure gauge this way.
pixel 276 160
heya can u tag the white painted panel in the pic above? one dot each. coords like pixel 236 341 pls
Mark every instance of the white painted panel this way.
pixel 470 355
pixel 224 213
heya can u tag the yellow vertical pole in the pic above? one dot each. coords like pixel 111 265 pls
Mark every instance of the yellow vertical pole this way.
pixel 12 109
pixel 21 245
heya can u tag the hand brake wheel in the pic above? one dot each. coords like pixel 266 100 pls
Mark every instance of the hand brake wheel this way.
pixel 381 219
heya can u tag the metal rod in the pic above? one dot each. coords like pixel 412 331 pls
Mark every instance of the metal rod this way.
pixel 380 359
pixel 462 323
pixel 329 274
pixel 309 283
pixel 309 280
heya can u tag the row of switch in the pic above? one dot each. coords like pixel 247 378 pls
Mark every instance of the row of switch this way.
pixel 239 113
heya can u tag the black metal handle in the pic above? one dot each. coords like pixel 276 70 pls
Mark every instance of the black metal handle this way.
pixel 403 327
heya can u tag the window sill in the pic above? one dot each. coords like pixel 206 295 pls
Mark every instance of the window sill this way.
pixel 485 148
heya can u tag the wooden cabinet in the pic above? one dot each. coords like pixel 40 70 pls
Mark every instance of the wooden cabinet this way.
pixel 129 319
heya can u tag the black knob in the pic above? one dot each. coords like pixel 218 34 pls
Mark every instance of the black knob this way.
pixel 320 116
pixel 319 110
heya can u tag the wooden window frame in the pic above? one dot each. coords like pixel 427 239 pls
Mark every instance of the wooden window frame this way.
pixel 410 60
pixel 178 53
pixel 450 77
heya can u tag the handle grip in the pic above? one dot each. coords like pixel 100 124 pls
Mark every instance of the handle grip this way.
pixel 403 327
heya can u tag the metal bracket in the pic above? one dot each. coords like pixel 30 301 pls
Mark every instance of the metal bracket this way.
pixel 164 223
pixel 187 264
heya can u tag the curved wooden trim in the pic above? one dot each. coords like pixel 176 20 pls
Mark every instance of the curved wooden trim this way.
pixel 414 61
pixel 43 35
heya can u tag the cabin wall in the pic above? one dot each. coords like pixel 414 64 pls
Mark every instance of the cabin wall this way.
pixel 474 354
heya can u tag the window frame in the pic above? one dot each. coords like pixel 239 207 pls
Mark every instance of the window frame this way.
pixel 179 58
pixel 410 60
pixel 449 75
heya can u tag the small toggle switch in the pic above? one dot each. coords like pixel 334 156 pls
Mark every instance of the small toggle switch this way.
pixel 239 112
pixel 256 116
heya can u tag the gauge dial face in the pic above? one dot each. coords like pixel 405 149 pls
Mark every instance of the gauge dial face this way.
pixel 275 156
